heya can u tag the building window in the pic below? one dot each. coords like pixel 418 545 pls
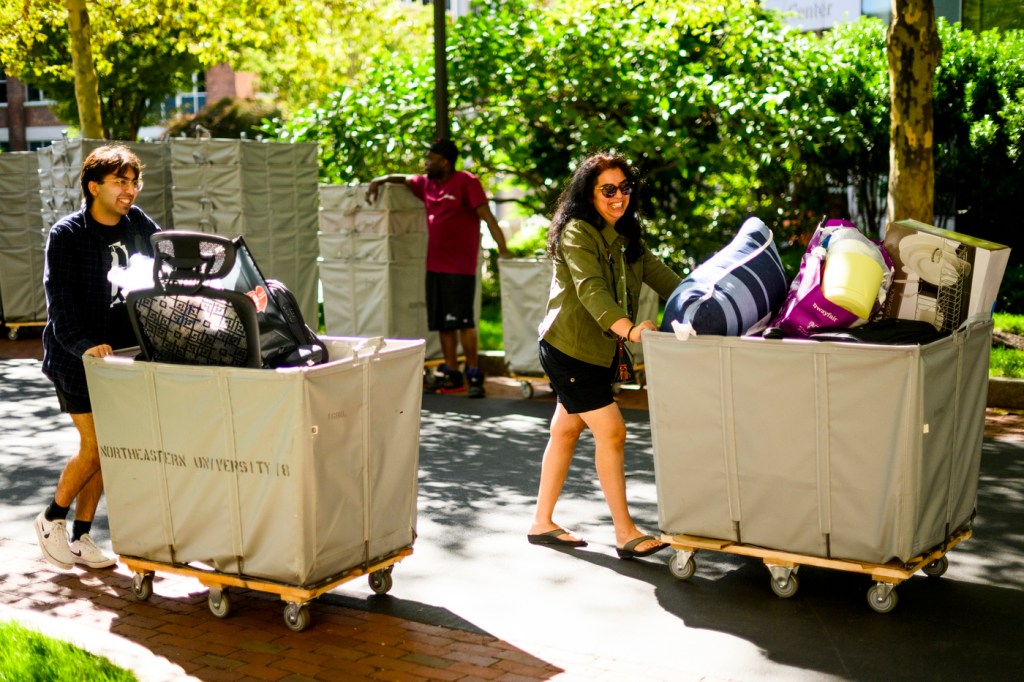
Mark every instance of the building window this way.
pixel 186 102
pixel 35 96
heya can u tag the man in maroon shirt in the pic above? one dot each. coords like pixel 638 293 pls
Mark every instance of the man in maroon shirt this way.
pixel 455 203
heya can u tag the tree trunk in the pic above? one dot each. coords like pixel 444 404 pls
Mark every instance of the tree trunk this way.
pixel 87 88
pixel 913 51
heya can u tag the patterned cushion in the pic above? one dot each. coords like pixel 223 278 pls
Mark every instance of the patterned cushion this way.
pixel 736 290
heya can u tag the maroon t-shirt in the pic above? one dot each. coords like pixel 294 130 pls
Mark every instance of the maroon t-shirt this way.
pixel 453 226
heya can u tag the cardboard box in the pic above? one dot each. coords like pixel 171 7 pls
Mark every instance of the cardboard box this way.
pixel 940 276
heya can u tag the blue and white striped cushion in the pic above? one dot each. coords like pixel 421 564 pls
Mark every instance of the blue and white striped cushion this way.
pixel 735 290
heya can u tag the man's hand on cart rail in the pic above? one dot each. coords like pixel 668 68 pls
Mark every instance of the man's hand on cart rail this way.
pixel 100 351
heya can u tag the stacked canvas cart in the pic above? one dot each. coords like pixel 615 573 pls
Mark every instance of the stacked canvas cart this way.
pixel 22 240
pixel 266 192
pixel 373 264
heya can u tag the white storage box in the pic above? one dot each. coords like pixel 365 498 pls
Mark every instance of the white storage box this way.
pixel 942 277
pixel 842 450
pixel 290 475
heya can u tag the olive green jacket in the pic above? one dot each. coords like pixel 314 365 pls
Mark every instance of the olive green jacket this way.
pixel 586 295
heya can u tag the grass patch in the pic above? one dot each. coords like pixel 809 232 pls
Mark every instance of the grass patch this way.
pixel 489 334
pixel 1007 362
pixel 26 655
pixel 1009 323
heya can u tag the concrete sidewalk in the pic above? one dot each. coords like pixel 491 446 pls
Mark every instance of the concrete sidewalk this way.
pixel 476 602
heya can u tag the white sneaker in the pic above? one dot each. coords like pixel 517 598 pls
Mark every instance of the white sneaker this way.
pixel 87 553
pixel 53 541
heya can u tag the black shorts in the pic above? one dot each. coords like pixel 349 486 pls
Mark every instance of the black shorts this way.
pixel 579 386
pixel 450 301
pixel 73 404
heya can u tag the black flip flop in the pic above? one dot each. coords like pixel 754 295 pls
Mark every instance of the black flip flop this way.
pixel 627 551
pixel 551 538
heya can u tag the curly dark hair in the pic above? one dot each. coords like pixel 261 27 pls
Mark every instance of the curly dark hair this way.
pixel 577 202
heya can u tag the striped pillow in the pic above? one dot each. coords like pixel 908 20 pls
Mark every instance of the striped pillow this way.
pixel 734 292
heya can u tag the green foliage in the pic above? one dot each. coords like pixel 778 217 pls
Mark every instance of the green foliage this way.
pixel 1007 363
pixel 724 111
pixel 227 118
pixel 979 134
pixel 531 239
pixel 1011 291
pixel 489 331
pixel 147 50
pixel 28 655
pixel 1009 322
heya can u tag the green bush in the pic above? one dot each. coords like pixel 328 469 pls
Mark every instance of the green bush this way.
pixel 1007 363
pixel 1011 291
pixel 724 111
pixel 1009 322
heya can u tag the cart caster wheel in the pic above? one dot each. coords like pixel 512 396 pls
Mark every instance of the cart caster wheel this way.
pixel 219 602
pixel 527 389
pixel 881 601
pixel 381 581
pixel 936 568
pixel 683 570
pixel 12 334
pixel 142 586
pixel 785 587
pixel 296 616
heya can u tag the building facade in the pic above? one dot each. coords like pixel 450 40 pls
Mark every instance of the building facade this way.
pixel 27 122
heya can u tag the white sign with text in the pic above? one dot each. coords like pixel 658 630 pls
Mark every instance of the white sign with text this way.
pixel 815 15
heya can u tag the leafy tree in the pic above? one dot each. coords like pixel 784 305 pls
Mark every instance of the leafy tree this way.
pixel 724 110
pixel 535 88
pixel 979 132
pixel 146 50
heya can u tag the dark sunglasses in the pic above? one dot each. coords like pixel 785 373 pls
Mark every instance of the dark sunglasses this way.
pixel 609 190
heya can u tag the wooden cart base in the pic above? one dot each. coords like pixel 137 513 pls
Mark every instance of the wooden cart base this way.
pixel 783 566
pixel 13 327
pixel 296 598
pixel 526 381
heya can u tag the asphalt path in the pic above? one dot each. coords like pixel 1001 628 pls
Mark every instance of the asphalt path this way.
pixel 473 569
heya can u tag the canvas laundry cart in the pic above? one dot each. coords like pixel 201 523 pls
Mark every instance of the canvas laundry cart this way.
pixel 849 456
pixel 525 283
pixel 289 481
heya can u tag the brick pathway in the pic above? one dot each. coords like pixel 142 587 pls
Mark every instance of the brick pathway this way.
pixel 173 637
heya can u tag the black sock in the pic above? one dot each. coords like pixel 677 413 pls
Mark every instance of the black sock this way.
pixel 55 511
pixel 80 528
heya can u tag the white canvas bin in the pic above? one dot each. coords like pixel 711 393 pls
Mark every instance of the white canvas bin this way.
pixel 525 286
pixel 291 475
pixel 850 451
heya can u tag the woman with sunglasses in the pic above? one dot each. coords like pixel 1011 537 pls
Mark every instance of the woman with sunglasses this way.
pixel 600 261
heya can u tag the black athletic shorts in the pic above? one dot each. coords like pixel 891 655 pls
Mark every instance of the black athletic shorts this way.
pixel 450 301
pixel 579 386
pixel 73 404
